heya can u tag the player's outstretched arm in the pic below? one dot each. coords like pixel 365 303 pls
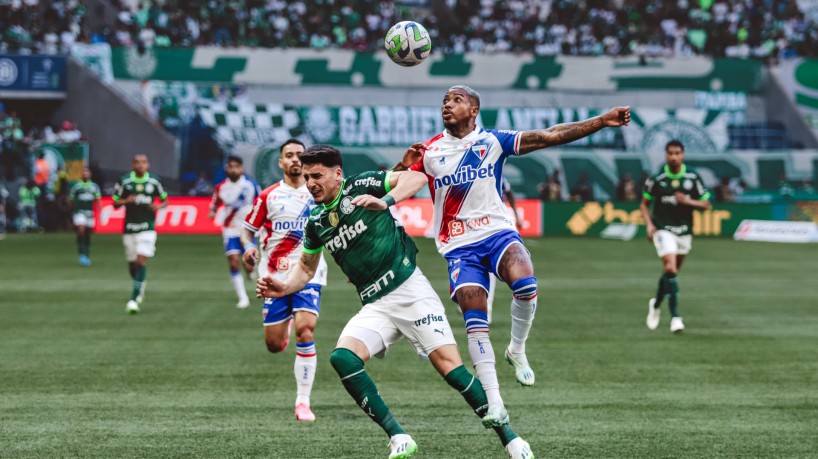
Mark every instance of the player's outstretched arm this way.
pixel 403 185
pixel 267 287
pixel 568 132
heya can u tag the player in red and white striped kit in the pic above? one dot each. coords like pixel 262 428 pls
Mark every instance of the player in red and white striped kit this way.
pixel 278 218
pixel 464 165
pixel 231 202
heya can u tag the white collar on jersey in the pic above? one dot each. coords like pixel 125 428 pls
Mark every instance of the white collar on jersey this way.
pixel 448 136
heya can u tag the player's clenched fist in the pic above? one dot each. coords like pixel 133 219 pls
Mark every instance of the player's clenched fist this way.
pixel 617 116
pixel 249 258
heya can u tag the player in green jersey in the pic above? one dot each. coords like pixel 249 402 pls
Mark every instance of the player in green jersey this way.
pixel 674 193
pixel 138 191
pixel 353 223
pixel 83 196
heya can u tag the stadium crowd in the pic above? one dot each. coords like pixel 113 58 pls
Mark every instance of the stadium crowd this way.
pixel 740 28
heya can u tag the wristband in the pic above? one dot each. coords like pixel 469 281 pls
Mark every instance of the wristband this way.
pixel 249 245
pixel 389 200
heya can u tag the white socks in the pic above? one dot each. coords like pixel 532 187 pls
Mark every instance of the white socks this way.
pixel 523 307
pixel 238 284
pixel 304 371
pixel 482 355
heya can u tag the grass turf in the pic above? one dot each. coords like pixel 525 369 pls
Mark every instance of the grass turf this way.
pixel 190 375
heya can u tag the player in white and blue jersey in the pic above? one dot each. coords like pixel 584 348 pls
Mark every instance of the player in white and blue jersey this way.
pixel 464 165
pixel 232 201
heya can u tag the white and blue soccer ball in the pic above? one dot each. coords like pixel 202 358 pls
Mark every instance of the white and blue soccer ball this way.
pixel 408 43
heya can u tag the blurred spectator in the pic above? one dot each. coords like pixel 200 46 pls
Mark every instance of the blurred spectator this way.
pixel 551 190
pixel 68 133
pixel 738 187
pixel 4 194
pixel 626 190
pixel 27 198
pixel 806 187
pixel 202 187
pixel 42 172
pixel 583 190
pixel 785 190
pixel 722 191
pixel 63 206
pixel 647 28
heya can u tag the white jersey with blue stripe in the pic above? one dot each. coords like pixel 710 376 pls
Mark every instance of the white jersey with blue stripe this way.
pixel 465 178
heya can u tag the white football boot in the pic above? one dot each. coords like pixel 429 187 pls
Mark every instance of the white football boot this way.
pixel 653 315
pixel 676 325
pixel 132 307
pixel 402 446
pixel 522 370
pixel 519 449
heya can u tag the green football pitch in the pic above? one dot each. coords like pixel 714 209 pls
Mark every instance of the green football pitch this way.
pixel 190 377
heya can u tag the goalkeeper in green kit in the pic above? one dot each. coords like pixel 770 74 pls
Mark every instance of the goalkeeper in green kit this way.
pixel 352 221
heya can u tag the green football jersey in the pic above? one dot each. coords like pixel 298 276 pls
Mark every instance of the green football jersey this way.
pixel 83 195
pixel 661 190
pixel 372 250
pixel 138 215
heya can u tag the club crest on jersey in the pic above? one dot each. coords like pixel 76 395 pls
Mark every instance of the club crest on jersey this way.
pixel 455 274
pixel 346 206
pixel 480 150
pixel 688 184
pixel 333 218
pixel 149 188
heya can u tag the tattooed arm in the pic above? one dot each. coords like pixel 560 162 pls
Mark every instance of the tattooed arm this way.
pixel 568 132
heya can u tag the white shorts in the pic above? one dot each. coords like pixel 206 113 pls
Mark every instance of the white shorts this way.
pixel 667 243
pixel 81 219
pixel 143 243
pixel 413 310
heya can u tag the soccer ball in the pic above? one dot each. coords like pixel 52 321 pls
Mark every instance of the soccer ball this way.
pixel 407 43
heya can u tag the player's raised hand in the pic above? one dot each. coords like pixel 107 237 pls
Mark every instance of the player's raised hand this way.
pixel 267 287
pixel 249 258
pixel 413 154
pixel 617 116
pixel 370 202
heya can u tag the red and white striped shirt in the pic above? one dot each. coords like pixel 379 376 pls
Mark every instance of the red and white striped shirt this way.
pixel 278 217
pixel 232 202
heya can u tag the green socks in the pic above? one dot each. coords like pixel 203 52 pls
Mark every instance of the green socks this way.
pixel 661 291
pixel 84 243
pixel 138 279
pixel 470 388
pixel 673 290
pixel 362 389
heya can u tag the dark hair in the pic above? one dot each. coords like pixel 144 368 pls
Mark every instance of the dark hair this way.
pixel 674 143
pixel 288 142
pixel 470 93
pixel 235 159
pixel 321 154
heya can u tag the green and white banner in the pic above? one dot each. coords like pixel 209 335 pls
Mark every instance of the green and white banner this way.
pixel 399 125
pixel 800 79
pixel 296 67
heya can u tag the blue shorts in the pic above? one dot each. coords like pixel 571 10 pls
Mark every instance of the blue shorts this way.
pixel 277 310
pixel 471 264
pixel 232 246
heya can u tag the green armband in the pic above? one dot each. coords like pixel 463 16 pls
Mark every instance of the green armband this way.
pixel 389 200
